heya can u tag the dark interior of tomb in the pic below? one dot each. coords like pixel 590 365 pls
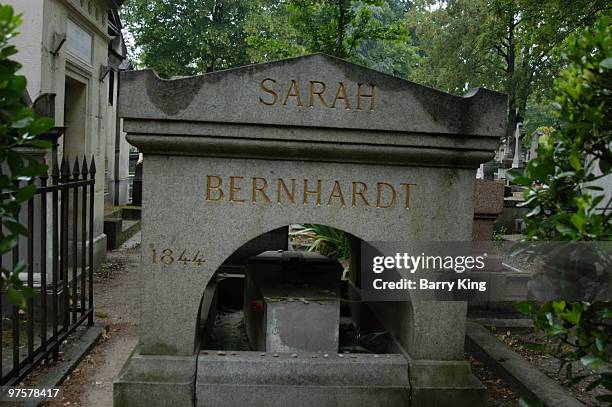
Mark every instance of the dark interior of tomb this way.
pixel 223 327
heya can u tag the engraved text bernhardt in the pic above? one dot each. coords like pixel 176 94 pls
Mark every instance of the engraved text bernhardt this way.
pixel 303 191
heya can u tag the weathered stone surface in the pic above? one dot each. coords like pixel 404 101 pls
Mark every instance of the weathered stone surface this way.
pixel 177 216
pixel 488 197
pixel 226 160
pixel 155 381
pixel 488 204
pixel 238 96
pixel 299 302
pixel 305 379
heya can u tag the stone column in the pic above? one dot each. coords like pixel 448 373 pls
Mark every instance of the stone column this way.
pixel 516 161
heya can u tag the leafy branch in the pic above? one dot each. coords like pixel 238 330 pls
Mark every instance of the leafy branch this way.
pixel 19 128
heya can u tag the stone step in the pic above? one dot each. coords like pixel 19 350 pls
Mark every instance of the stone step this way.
pixel 302 369
pixel 228 379
pixel 223 395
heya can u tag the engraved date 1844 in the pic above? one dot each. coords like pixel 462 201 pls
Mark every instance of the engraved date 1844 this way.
pixel 167 257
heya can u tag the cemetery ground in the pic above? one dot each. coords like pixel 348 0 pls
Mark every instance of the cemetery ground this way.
pixel 117 309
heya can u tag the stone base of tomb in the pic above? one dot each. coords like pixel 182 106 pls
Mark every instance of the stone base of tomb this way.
pixel 228 379
pixel 156 380
pixel 445 383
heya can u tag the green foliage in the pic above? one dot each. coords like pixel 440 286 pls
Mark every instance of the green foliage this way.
pixel 499 233
pixel 325 240
pixel 19 127
pixel 188 37
pixel 559 191
pixel 506 45
pixel 576 332
pixel 339 27
pixel 270 36
pixel 558 182
pixel 372 33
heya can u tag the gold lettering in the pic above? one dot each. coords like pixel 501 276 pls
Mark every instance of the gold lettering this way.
pixel 364 189
pixel 295 94
pixel 379 188
pixel 319 93
pixel 233 189
pixel 317 192
pixel 291 196
pixel 407 186
pixel 261 189
pixel 210 188
pixel 372 97
pixel 342 91
pixel 336 193
pixel 270 91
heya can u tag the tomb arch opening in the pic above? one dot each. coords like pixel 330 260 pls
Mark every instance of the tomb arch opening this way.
pixel 282 272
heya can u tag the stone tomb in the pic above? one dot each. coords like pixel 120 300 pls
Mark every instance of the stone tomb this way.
pixel 231 155
pixel 286 294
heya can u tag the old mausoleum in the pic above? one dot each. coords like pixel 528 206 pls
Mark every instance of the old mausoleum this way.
pixel 231 158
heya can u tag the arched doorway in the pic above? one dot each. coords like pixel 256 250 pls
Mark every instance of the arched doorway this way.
pixel 304 267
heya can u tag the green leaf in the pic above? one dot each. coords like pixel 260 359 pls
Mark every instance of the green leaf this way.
pixel 22 123
pixel 606 63
pixel 7 244
pixel 16 228
pixel 25 193
pixel 577 220
pixel 16 297
pixel 524 307
pixel 575 162
pixel 40 144
pixel 524 402
pixel 589 360
pixel 600 343
pixel 521 180
pixel 558 306
pixel 33 168
pixel 533 346
pixel 565 229
pixel 40 126
pixel 604 166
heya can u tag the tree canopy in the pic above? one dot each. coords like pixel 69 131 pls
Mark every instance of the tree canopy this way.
pixel 508 45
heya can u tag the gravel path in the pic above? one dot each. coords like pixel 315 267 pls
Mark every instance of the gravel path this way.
pixel 116 304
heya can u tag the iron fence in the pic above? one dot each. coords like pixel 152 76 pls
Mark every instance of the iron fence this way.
pixel 59 253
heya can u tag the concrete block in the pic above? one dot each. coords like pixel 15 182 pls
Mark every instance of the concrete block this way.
pixel 292 302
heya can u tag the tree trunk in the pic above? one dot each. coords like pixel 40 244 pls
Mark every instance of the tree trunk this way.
pixel 510 86
pixel 341 27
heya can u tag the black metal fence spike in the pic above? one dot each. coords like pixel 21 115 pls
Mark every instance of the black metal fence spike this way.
pixel 54 167
pixel 75 169
pixel 84 168
pixel 65 167
pixel 52 216
pixel 45 175
pixel 92 168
